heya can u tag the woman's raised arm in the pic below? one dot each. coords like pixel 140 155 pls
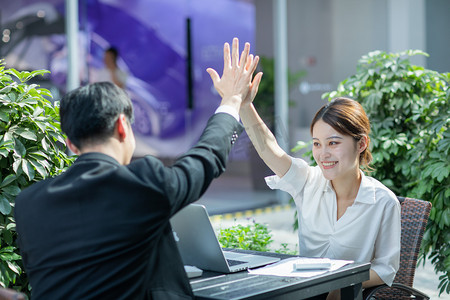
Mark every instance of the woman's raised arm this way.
pixel 262 138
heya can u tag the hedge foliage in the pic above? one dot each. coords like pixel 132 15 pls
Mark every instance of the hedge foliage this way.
pixel 31 149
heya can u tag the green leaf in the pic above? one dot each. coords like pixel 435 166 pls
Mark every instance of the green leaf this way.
pixel 29 100
pixel 5 206
pixel 19 148
pixel 7 235
pixel 41 124
pixel 12 190
pixel 8 179
pixel 4 275
pixel 37 112
pixel 443 174
pixel 7 138
pixel 13 267
pixel 37 73
pixel 26 134
pixel 16 165
pixel 39 167
pixel 14 73
pixel 4 116
pixel 12 96
pixel 11 226
pixel 438 170
pixel 57 137
pixel 45 92
pixel 446 217
pixel 3 95
pixel 44 144
pixel 4 152
pixel 28 169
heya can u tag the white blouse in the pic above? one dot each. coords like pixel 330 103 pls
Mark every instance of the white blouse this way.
pixel 369 230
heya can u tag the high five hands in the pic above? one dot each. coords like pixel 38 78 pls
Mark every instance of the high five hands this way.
pixel 236 86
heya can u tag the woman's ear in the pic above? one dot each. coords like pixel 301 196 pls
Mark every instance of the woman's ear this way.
pixel 363 143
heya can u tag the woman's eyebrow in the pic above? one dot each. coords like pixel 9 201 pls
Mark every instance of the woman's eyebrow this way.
pixel 330 137
pixel 334 137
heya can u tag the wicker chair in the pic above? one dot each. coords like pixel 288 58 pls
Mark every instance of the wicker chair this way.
pixel 10 294
pixel 414 218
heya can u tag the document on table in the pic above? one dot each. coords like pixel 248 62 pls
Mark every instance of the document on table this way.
pixel 286 268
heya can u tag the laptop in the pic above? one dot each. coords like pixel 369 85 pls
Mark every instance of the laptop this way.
pixel 199 246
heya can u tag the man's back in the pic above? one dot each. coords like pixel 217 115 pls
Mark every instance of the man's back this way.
pixel 109 232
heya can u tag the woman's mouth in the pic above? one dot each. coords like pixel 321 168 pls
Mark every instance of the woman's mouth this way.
pixel 329 164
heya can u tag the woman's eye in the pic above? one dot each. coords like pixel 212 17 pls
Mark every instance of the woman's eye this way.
pixel 315 144
pixel 332 143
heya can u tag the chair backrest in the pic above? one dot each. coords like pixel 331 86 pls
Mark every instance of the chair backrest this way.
pixel 414 218
pixel 10 294
pixel 414 221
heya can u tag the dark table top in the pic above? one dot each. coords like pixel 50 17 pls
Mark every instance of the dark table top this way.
pixel 242 285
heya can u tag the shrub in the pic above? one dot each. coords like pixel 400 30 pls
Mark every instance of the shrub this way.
pixel 409 109
pixel 31 149
pixel 253 236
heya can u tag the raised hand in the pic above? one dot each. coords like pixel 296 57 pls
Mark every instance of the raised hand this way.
pixel 253 90
pixel 236 81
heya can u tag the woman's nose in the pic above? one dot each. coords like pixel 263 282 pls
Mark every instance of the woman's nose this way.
pixel 324 153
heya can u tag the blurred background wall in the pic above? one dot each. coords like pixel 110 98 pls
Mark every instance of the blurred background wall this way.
pixel 325 38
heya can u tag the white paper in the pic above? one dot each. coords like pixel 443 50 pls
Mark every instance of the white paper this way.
pixel 285 268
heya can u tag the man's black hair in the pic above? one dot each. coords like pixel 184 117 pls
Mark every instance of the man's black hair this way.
pixel 89 113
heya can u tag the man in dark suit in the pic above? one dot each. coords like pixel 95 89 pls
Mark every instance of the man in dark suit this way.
pixel 101 229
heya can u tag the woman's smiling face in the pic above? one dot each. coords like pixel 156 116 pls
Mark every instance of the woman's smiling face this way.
pixel 336 154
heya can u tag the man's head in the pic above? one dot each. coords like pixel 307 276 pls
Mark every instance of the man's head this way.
pixel 110 57
pixel 90 114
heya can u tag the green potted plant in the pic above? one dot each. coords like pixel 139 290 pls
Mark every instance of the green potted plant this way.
pixel 31 149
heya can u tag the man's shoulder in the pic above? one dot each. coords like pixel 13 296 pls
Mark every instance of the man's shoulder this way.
pixel 31 191
pixel 92 161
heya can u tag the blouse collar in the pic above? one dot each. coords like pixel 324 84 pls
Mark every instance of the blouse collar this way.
pixel 366 192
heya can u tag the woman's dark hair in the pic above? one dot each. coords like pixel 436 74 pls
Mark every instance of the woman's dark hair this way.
pixel 347 117
pixel 89 113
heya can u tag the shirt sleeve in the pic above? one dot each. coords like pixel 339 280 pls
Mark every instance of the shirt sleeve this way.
pixel 387 245
pixel 187 179
pixel 293 181
pixel 228 110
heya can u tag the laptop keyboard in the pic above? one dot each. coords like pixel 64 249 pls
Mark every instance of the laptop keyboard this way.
pixel 232 262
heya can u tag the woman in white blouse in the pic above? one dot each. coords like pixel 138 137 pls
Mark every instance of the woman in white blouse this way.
pixel 342 213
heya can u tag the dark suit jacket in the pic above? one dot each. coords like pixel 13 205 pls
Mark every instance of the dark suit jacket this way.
pixel 101 230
